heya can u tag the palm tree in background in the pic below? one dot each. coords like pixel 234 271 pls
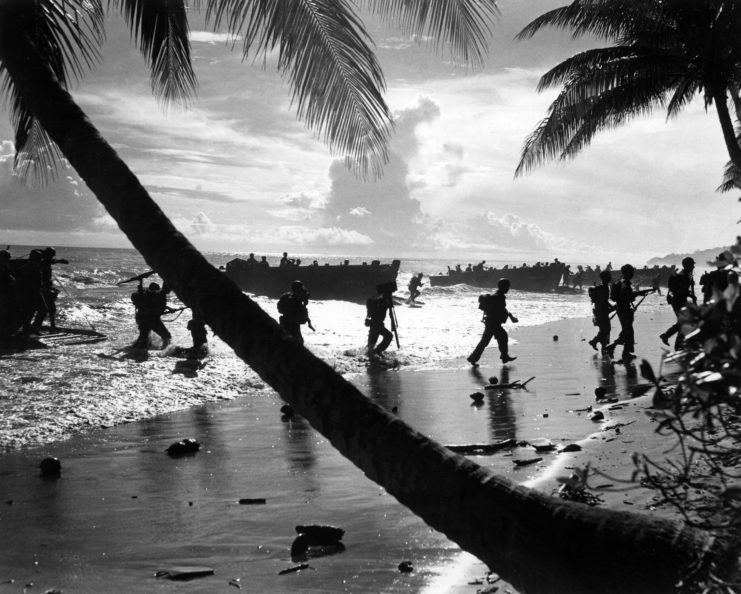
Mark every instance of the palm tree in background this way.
pixel 537 542
pixel 658 54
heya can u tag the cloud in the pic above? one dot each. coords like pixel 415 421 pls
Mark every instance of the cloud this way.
pixel 384 209
pixel 488 233
pixel 63 205
pixel 212 38
pixel 202 224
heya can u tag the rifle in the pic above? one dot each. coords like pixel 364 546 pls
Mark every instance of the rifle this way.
pixel 643 293
pixel 139 277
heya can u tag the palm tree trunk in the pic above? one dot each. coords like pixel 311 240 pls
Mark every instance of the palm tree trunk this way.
pixel 726 124
pixel 538 543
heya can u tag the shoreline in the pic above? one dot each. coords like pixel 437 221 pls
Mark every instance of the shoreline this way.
pixel 159 511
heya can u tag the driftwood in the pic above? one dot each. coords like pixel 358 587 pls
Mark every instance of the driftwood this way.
pixel 515 385
pixel 482 448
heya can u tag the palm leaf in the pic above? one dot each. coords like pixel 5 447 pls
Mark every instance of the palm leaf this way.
pixel 604 19
pixel 69 34
pixel 731 173
pixel 593 101
pixel 160 29
pixel 335 78
pixel 464 25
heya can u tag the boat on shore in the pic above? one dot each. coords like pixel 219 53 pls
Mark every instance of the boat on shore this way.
pixel 347 282
pixel 656 276
pixel 538 278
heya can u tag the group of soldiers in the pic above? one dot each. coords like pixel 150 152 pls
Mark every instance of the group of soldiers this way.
pixel 285 261
pixel 620 297
pixel 27 293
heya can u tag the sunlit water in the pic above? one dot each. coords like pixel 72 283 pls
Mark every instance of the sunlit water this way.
pixel 64 379
pixel 49 394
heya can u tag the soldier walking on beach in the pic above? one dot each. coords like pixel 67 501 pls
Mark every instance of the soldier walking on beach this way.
pixel 150 305
pixel 376 308
pixel 623 294
pixel 495 314
pixel 293 310
pixel 681 288
pixel 601 309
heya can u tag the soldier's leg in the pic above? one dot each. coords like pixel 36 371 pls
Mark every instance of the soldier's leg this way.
pixel 385 341
pixel 159 328
pixel 628 335
pixel 502 342
pixel 373 333
pixel 144 325
pixel 51 305
pixel 483 343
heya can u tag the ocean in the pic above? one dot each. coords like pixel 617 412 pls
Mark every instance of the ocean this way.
pixel 446 327
pixel 79 402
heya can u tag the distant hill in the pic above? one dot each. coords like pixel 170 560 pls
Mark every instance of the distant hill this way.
pixel 702 257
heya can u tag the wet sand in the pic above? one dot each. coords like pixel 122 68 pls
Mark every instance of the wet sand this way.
pixel 123 510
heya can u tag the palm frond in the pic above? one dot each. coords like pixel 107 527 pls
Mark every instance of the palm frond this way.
pixel 686 88
pixel 37 164
pixel 69 34
pixel 336 81
pixel 731 178
pixel 608 64
pixel 160 29
pixel 610 110
pixel 463 25
pixel 604 19
pixel 579 112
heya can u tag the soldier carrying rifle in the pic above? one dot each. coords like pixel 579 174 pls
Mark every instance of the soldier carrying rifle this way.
pixel 150 304
pixel 623 294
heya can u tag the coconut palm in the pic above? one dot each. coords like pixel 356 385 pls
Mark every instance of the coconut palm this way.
pixel 658 54
pixel 537 542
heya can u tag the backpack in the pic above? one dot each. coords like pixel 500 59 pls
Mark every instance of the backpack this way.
pixel 284 303
pixel 593 293
pixel 486 302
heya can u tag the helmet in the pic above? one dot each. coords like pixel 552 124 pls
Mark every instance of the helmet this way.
pixel 35 255
pixel 154 287
pixel 50 251
pixel 4 255
pixel 503 283
pixel 627 268
pixel 605 275
pixel 687 262
pixel 297 285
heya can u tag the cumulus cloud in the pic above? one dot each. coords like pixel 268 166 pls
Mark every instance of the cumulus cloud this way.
pixel 201 224
pixel 384 209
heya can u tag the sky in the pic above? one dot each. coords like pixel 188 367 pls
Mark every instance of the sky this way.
pixel 237 172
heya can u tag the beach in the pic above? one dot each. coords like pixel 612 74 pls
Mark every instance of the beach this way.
pixel 122 510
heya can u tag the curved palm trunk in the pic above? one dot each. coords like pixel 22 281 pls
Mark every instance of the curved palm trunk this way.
pixel 538 543
pixel 726 124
